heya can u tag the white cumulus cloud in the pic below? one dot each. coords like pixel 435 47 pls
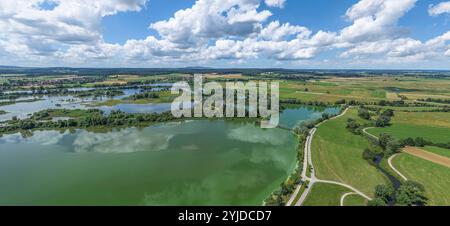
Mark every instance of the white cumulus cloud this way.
pixel 441 8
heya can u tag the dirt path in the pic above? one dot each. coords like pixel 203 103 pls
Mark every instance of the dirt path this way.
pixel 438 159
pixel 393 168
pixel 345 195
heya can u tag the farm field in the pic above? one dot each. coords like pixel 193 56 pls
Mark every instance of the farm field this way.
pixel 337 156
pixel 337 153
pixel 437 150
pixel 366 89
pixel 432 126
pixel 434 177
pixel 432 157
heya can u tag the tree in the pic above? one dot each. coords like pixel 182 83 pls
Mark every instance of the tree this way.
pixel 411 194
pixel 383 121
pixel 364 113
pixel 353 126
pixel 325 116
pixel 368 155
pixel 393 146
pixel 384 192
pixel 409 142
pixel 384 140
pixel 420 142
pixel 377 202
pixel 388 113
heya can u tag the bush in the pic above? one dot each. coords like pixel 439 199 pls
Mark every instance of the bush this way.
pixel 384 192
pixel 377 202
pixel 383 121
pixel 411 194
pixel 364 113
pixel 353 126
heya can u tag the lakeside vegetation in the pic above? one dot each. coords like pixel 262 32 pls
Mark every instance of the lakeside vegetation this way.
pixel 83 119
pixel 4 103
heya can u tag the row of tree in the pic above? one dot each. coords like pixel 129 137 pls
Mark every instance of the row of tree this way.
pixel 435 100
pixel 410 193
pixel 115 118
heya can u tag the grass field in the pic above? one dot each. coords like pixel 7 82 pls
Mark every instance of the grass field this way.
pixel 366 89
pixel 300 192
pixel 325 195
pixel 433 126
pixel 437 150
pixel 434 177
pixel 337 156
pixel 355 200
pixel 164 97
pixel 406 109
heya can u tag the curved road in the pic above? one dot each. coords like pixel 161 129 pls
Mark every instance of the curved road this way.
pixel 313 179
pixel 369 134
pixel 345 195
pixel 390 158
pixel 393 168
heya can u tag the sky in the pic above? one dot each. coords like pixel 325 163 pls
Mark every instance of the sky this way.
pixel 303 34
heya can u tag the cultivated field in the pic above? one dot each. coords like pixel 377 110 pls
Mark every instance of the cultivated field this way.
pixel 432 126
pixel 432 157
pixel 367 89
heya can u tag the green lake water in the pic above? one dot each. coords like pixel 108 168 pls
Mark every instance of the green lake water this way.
pixel 201 162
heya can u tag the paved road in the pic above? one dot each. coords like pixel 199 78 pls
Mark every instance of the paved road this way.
pixel 308 159
pixel 313 179
pixel 305 168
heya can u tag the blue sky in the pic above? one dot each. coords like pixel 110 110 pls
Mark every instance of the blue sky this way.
pixel 314 14
pixel 230 33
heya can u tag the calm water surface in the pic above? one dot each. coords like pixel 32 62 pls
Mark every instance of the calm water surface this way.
pixel 201 162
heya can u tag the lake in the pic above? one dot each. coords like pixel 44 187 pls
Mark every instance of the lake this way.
pixel 201 162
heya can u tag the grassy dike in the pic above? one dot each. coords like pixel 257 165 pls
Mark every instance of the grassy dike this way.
pixel 337 156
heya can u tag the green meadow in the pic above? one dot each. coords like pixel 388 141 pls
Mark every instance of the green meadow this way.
pixel 432 126
pixel 337 155
pixel 437 150
pixel 355 200
pixel 434 177
pixel 325 195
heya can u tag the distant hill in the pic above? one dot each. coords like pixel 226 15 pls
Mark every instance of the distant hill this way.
pixel 196 68
pixel 37 71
